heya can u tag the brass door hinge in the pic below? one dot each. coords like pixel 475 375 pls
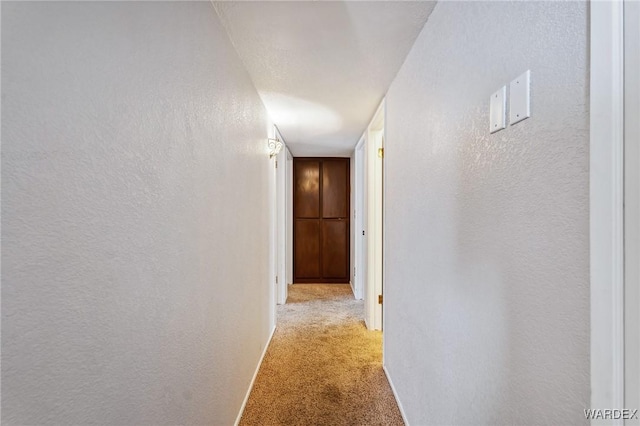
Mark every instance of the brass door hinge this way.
pixel 379 299
pixel 381 152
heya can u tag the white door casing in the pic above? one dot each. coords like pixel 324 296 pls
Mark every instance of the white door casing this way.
pixel 632 207
pixel 359 227
pixel 606 207
pixel 281 227
pixel 374 231
pixel 289 219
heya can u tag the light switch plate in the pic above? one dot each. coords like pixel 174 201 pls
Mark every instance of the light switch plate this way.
pixel 519 98
pixel 497 107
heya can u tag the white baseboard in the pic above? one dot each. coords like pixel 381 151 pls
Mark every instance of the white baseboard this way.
pixel 253 379
pixel 395 394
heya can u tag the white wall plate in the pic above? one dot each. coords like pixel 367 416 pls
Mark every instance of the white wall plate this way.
pixel 497 106
pixel 519 98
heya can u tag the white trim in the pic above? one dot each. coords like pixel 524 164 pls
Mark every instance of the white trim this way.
pixel 253 379
pixel 273 236
pixel 383 226
pixel 395 395
pixel 289 219
pixel 606 209
pixel 359 221
pixel 374 207
pixel 632 206
pixel 281 225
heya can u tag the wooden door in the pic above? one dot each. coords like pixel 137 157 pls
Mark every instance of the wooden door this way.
pixel 321 220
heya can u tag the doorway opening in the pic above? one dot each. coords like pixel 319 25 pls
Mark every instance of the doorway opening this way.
pixel 283 231
pixel 369 219
pixel 359 261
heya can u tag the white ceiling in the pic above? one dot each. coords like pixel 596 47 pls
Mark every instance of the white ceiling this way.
pixel 322 68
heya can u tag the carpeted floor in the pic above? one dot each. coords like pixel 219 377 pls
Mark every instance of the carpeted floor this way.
pixel 323 366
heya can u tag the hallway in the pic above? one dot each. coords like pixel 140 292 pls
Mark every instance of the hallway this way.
pixel 147 212
pixel 323 366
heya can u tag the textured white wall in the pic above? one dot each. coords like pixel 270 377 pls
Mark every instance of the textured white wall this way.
pixel 486 238
pixel 134 227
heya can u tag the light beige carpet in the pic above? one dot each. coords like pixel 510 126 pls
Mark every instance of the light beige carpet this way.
pixel 323 367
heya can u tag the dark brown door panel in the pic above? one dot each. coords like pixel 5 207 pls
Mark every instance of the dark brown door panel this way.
pixel 306 188
pixel 335 196
pixel 321 212
pixel 307 248
pixel 335 248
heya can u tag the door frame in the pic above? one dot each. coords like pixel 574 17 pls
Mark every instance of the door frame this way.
pixel 281 218
pixel 359 240
pixel 632 206
pixel 273 233
pixel 374 228
pixel 289 218
pixel 606 205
